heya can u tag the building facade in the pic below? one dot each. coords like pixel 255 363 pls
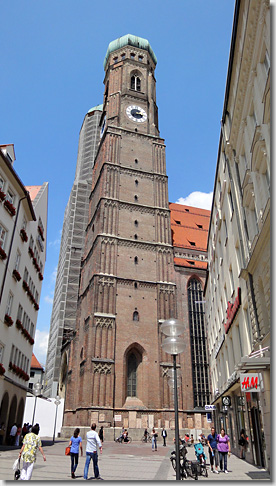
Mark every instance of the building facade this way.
pixel 36 375
pixel 23 226
pixel 63 318
pixel 116 365
pixel 238 284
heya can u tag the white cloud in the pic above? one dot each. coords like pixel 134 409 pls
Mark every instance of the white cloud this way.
pixel 54 243
pixel 41 346
pixel 197 199
pixel 48 299
pixel 54 275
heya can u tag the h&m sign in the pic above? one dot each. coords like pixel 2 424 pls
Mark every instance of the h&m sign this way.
pixel 250 382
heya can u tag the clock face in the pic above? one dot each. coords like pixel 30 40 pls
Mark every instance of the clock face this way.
pixel 136 113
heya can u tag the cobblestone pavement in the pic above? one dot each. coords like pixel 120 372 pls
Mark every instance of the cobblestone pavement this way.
pixel 134 461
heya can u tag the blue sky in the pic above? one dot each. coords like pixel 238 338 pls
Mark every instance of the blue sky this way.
pixel 52 74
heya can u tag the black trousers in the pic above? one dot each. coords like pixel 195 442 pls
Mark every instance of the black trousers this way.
pixel 164 440
pixel 74 461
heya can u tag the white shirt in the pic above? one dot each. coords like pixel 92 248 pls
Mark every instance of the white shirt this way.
pixel 92 441
pixel 13 430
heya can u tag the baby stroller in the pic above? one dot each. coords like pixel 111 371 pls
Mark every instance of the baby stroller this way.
pixel 201 458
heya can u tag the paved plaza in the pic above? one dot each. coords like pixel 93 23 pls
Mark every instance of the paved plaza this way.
pixel 129 462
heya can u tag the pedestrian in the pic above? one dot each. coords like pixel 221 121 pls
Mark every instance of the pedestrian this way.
pixel 2 432
pixel 75 444
pixel 31 443
pixel 93 441
pixel 223 445
pixel 13 434
pixel 101 434
pixel 154 436
pixel 146 434
pixel 164 435
pixel 24 430
pixel 192 439
pixel 213 449
pixel 243 442
pixel 18 434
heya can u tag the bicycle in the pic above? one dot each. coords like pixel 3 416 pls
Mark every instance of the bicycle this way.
pixel 121 440
pixel 146 438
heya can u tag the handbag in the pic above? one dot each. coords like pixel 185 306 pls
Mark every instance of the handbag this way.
pixel 16 468
pixel 67 450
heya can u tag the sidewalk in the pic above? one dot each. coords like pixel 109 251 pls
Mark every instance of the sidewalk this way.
pixel 119 462
pixel 239 470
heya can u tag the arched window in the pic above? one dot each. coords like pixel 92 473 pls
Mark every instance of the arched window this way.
pixel 136 260
pixel 135 83
pixel 136 316
pixel 132 376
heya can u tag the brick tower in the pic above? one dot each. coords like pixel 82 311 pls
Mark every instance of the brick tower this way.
pixel 116 364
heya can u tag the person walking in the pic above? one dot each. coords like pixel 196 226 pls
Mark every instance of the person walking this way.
pixel 213 449
pixel 223 445
pixel 18 434
pixel 12 436
pixel 93 441
pixel 101 434
pixel 164 435
pixel 243 442
pixel 75 444
pixel 154 436
pixel 31 443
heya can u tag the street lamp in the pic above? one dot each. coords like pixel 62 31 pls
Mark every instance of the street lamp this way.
pixel 57 403
pixel 174 345
pixel 36 392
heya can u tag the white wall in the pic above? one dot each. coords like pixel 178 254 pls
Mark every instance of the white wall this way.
pixel 44 414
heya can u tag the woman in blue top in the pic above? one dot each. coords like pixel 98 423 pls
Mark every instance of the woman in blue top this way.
pixel 75 443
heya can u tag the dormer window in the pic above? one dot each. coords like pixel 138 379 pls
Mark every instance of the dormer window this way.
pixel 135 83
pixel 140 58
pixel 115 60
pixel 132 56
pixel 123 56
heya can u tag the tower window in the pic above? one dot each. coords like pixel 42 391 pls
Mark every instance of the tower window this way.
pixel 131 375
pixel 136 161
pixel 123 56
pixel 132 56
pixel 135 237
pixel 136 222
pixel 135 83
pixel 115 60
pixel 140 58
pixel 136 260
pixel 135 198
pixel 135 316
pixel 136 182
pixel 135 285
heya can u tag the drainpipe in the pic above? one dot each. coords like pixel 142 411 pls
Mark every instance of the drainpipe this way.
pixel 10 248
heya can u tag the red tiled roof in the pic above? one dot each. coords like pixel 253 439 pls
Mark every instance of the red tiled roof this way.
pixel 183 262
pixel 35 363
pixel 33 190
pixel 189 226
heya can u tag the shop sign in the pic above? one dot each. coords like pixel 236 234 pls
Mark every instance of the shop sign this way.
pixel 250 382
pixel 226 401
pixel 117 418
pixel 210 407
pixel 232 310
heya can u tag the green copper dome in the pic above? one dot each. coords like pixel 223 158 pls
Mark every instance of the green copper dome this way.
pixel 130 40
pixel 98 107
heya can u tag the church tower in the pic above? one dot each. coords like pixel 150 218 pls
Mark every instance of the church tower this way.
pixel 117 365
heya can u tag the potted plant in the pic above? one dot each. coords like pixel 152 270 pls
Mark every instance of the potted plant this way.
pixel 3 254
pixel 16 275
pixel 23 235
pixel 2 195
pixel 8 320
pixel 10 207
pixel 18 324
pixel 2 369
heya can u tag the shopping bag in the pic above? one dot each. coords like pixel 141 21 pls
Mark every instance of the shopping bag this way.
pixel 16 468
pixel 67 451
